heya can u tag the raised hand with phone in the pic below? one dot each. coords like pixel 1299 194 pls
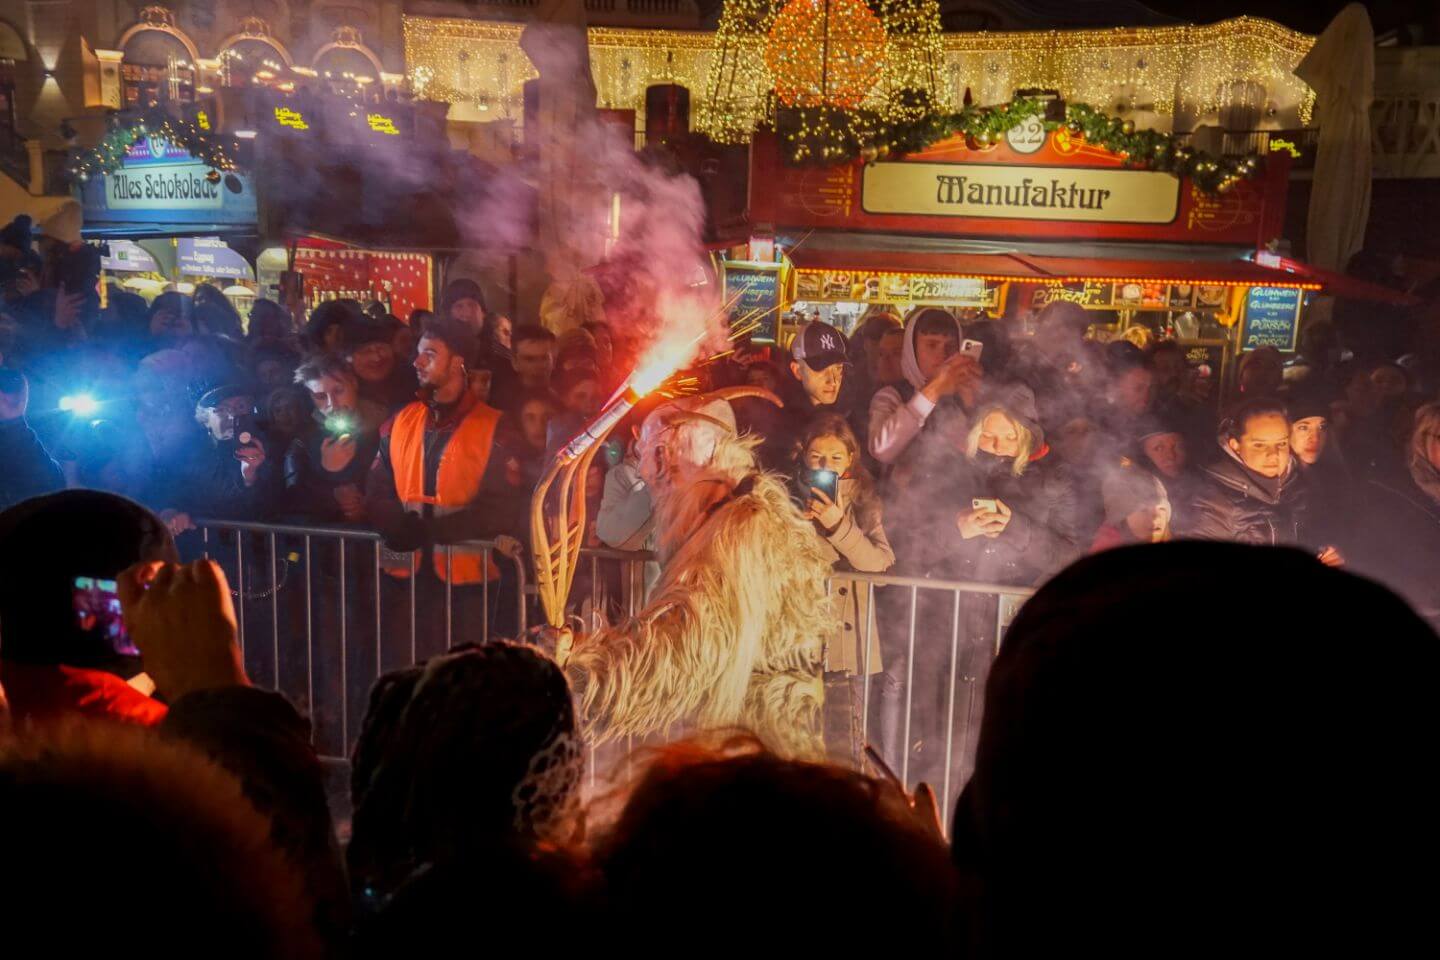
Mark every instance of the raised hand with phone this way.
pixel 987 517
pixel 181 619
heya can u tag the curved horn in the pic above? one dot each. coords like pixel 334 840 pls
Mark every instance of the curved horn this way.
pixel 686 417
pixel 735 393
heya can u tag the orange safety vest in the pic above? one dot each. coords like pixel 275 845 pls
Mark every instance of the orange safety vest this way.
pixel 457 483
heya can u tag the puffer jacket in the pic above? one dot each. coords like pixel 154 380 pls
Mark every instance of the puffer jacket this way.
pixel 1234 504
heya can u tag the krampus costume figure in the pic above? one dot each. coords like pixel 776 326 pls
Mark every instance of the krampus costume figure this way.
pixel 732 634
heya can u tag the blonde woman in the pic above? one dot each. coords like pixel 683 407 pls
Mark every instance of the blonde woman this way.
pixel 1016 520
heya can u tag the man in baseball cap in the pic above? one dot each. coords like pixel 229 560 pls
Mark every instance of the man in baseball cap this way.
pixel 818 364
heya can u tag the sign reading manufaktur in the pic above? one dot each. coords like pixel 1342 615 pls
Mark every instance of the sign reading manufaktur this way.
pixel 1020 192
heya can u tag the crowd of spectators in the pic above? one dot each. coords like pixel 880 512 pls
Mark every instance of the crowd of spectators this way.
pixel 1130 789
pixel 1125 799
pixel 957 450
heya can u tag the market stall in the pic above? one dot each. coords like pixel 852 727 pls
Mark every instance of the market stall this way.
pixel 1003 228
pixel 399 281
pixel 165 217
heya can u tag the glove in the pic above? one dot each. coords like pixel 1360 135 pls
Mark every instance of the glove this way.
pixel 412 533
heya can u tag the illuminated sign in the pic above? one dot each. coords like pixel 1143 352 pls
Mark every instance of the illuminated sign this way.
pixel 154 150
pixel 290 118
pixel 1090 294
pixel 202 120
pixel 1272 318
pixel 177 186
pixel 1277 145
pixel 1020 192
pixel 867 287
pixel 381 124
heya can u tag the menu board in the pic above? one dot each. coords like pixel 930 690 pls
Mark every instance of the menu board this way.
pixel 753 294
pixel 1272 318
pixel 864 287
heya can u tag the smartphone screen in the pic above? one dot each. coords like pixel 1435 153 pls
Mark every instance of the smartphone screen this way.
pixel 339 424
pixel 97 610
pixel 826 481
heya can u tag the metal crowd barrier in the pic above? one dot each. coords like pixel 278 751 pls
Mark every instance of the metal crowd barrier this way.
pixel 344 593
pixel 921 713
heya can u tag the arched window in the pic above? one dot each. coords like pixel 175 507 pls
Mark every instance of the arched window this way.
pixel 157 65
pixel 346 70
pixel 249 60
pixel 347 66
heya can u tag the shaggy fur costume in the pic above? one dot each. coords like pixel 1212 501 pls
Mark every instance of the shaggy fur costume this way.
pixel 733 631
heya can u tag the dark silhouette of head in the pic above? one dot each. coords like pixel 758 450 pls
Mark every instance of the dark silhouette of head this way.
pixel 1173 753
pixel 767 854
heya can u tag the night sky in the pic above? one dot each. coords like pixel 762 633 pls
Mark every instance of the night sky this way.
pixel 1307 15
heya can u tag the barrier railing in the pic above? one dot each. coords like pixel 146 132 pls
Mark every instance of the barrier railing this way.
pixel 327 638
pixel 323 612
pixel 920 707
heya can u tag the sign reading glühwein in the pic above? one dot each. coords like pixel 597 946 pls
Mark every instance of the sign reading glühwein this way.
pixel 1063 190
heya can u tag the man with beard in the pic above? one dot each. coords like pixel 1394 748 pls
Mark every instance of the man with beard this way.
pixel 441 479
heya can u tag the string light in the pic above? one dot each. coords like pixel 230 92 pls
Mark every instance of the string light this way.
pixel 825 53
pixel 214 150
pixel 1098 275
pixel 1152 72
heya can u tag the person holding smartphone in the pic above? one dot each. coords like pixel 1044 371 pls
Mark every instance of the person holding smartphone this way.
pixel 1018 523
pixel 63 652
pixel 327 466
pixel 839 498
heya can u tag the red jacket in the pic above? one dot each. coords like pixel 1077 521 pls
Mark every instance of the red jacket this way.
pixel 48 692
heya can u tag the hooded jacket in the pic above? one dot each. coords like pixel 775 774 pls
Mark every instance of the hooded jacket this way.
pixel 895 418
pixel 1234 503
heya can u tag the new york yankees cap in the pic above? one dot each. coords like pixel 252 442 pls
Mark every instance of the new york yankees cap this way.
pixel 820 345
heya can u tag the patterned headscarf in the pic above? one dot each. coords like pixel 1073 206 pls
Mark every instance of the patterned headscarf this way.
pixel 473 749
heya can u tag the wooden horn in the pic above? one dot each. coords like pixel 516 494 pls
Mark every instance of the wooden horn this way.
pixel 736 392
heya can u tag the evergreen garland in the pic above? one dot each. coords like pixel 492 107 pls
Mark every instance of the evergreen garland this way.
pixel 810 139
pixel 217 151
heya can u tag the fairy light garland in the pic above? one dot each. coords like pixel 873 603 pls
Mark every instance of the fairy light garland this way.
pixel 1142 76
pixel 826 53
pixel 216 151
pixel 738 83
pixel 809 137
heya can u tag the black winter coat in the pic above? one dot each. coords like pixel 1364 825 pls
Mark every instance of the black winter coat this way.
pixel 1234 504
pixel 1041 539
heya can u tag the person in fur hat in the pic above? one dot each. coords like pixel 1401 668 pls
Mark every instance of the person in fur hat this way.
pixel 732 635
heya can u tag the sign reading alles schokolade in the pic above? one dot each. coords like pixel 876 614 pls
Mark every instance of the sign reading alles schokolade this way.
pixel 1015 192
